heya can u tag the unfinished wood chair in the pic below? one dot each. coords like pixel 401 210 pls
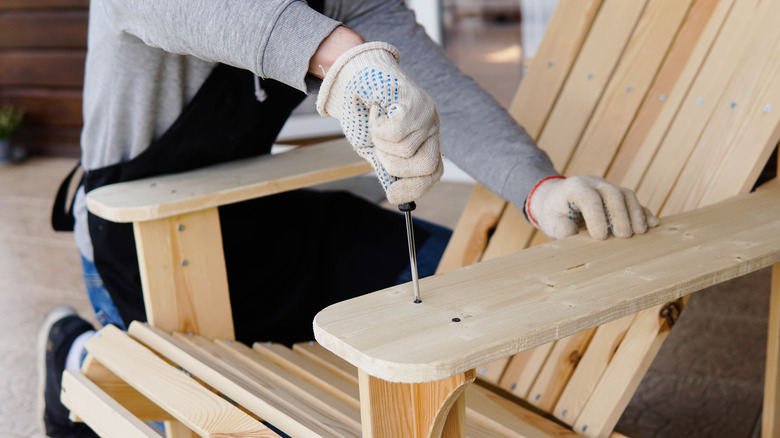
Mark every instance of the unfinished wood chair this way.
pixel 675 99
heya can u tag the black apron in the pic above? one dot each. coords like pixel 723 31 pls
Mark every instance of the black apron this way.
pixel 288 255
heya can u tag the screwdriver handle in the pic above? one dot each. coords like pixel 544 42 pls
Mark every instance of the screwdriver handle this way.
pixel 408 206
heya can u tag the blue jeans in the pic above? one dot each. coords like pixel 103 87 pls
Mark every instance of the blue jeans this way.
pixel 101 301
pixel 429 253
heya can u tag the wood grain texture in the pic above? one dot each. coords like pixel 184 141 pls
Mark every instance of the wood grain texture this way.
pixel 124 394
pixel 188 401
pixel 628 85
pixel 473 231
pixel 258 366
pixel 183 274
pixel 46 107
pixel 682 63
pixel 262 398
pixel 589 370
pixel 10 5
pixel 99 410
pixel 554 58
pixel 43 29
pixel 696 108
pixel 413 410
pixel 770 415
pixel 742 128
pixel 42 68
pixel 619 381
pixel 345 390
pixel 589 76
pixel 560 365
pixel 497 416
pixel 170 195
pixel 319 355
pixel 561 288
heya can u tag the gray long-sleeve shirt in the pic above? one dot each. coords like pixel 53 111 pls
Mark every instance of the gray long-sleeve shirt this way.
pixel 147 58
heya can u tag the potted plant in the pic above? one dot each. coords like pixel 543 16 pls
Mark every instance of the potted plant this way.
pixel 10 122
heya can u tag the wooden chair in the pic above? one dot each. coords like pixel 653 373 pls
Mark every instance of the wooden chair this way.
pixel 675 99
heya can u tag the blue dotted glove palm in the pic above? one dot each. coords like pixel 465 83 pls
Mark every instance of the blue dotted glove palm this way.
pixel 390 121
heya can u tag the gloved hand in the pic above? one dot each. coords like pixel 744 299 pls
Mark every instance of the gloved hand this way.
pixel 390 121
pixel 557 206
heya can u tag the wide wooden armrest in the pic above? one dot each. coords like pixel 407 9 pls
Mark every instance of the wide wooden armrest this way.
pixel 227 183
pixel 495 309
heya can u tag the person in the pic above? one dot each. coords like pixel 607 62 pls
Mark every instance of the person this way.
pixel 174 86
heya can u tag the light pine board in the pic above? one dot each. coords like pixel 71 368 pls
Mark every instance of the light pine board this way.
pixel 698 104
pixel 681 65
pixel 539 89
pixel 185 399
pixel 628 86
pixel 266 399
pixel 548 292
pixel 103 414
pixel 170 195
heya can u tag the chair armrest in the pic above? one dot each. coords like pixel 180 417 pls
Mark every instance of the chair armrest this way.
pixel 494 309
pixel 226 183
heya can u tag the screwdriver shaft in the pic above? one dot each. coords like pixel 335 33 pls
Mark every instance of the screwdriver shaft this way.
pixel 412 256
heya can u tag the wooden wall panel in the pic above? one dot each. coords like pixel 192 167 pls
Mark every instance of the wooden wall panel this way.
pixel 44 29
pixel 37 68
pixel 42 54
pixel 11 5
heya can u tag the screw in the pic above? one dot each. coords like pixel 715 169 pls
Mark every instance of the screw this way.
pixel 663 97
pixel 185 263
pixel 181 227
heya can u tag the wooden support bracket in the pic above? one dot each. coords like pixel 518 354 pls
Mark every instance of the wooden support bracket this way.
pixel 431 409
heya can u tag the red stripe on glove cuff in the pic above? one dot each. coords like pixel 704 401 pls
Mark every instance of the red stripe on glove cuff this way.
pixel 528 199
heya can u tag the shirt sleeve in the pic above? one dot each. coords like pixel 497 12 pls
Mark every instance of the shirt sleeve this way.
pixel 272 38
pixel 477 133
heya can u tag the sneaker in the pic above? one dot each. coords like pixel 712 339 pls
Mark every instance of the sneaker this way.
pixel 56 334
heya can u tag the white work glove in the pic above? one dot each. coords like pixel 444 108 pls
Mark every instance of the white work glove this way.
pixel 557 206
pixel 390 121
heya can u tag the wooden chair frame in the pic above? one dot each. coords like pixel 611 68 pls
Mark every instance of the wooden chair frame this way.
pixel 613 60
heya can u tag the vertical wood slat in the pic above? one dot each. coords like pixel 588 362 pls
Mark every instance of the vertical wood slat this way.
pixel 680 68
pixel 471 234
pixel 425 407
pixel 642 58
pixel 606 402
pixel 603 346
pixel 628 85
pixel 634 356
pixel 698 104
pixel 569 25
pixel 589 76
pixel 595 95
pixel 538 92
pixel 738 123
pixel 183 274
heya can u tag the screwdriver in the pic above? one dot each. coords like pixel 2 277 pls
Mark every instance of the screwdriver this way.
pixel 407 209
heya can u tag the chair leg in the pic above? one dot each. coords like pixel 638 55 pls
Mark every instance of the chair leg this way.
pixel 415 410
pixel 771 411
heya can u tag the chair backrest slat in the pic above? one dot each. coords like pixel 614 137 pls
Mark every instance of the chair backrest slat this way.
pixel 645 103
